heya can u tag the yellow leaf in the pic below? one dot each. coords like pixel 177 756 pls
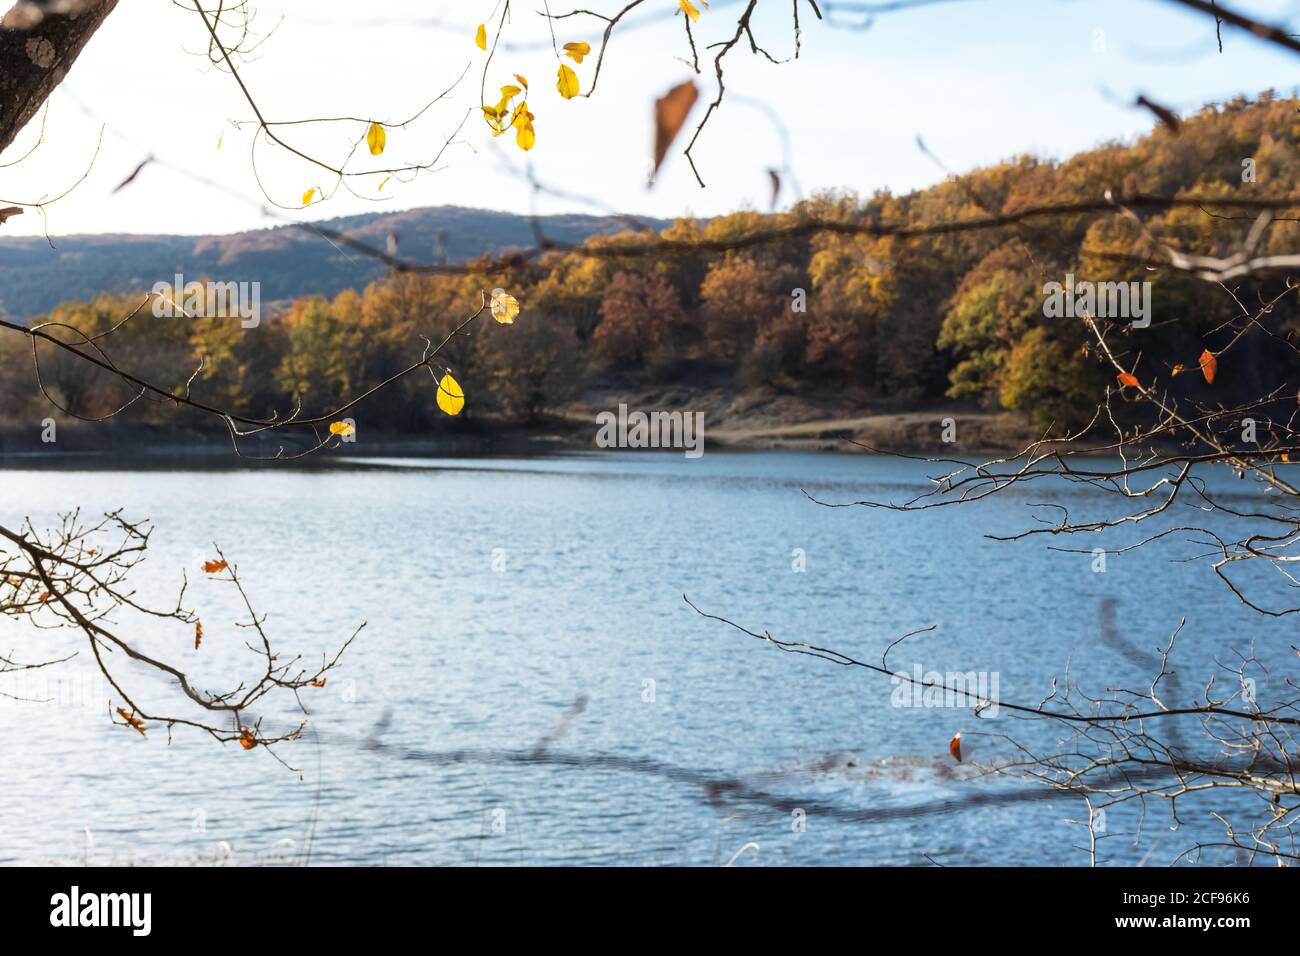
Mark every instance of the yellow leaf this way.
pixel 577 51
pixel 383 184
pixel 376 138
pixel 480 37
pixel 341 428
pixel 568 82
pixel 220 138
pixel 525 137
pixel 504 306
pixel 522 81
pixel 689 9
pixel 509 92
pixel 495 117
pixel 307 196
pixel 450 397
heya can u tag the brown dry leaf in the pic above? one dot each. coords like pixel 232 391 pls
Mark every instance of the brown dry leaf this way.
pixel 214 567
pixel 133 721
pixel 320 682
pixel 671 111
pixel 45 596
pixel 954 747
pixel 1166 116
pixel 198 634
pixel 246 739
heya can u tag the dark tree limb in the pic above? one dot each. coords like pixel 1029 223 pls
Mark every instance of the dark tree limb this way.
pixel 37 49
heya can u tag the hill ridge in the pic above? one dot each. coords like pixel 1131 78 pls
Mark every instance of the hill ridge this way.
pixel 288 260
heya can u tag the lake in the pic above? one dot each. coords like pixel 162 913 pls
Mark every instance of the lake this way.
pixel 531 688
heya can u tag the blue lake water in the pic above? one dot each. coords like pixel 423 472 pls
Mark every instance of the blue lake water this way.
pixel 501 595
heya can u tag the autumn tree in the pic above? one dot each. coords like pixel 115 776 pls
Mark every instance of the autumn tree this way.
pixel 639 317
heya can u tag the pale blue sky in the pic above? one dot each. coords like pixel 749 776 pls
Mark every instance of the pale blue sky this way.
pixel 980 80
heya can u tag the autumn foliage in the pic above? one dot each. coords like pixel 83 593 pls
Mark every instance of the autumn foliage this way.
pixel 940 317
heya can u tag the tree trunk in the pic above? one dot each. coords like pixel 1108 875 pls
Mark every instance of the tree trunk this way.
pixel 37 49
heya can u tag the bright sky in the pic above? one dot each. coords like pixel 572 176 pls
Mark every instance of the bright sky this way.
pixel 979 80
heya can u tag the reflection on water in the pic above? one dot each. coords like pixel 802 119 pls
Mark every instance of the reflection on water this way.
pixel 531 687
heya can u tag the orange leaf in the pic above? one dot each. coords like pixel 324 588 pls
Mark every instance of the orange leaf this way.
pixel 954 747
pixel 1128 380
pixel 198 634
pixel 45 596
pixel 319 683
pixel 1177 368
pixel 133 721
pixel 671 111
pixel 214 567
pixel 1209 366
pixel 246 739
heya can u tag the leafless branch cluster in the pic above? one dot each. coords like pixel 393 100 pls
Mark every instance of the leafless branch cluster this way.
pixel 228 24
pixel 1136 746
pixel 1141 450
pixel 78 575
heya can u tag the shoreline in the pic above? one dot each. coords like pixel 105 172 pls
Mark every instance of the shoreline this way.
pixel 760 419
pixel 831 437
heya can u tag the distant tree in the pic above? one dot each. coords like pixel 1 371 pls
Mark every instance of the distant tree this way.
pixel 638 315
pixel 533 369
pixel 736 298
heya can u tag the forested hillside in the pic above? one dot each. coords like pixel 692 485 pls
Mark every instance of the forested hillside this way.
pixel 956 315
